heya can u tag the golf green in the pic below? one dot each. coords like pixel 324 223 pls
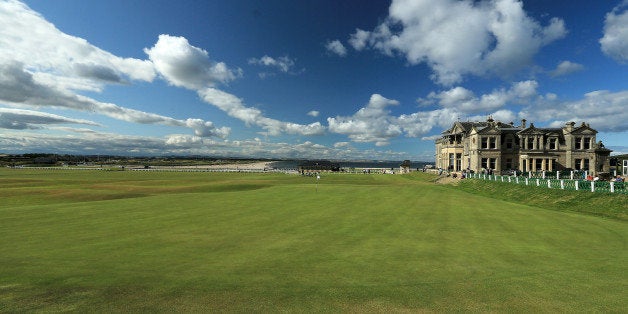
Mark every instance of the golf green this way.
pixel 119 241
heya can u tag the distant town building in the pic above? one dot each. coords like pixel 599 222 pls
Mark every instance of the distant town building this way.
pixel 501 147
pixel 318 166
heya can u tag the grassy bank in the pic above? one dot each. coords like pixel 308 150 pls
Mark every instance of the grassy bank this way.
pixel 163 242
pixel 600 204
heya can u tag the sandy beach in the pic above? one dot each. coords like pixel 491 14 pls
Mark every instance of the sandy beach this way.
pixel 261 165
pixel 253 166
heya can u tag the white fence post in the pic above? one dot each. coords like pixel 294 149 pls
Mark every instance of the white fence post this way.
pixel 509 180
pixel 592 186
pixel 543 174
pixel 526 181
pixel 517 180
pixel 530 174
pixel 562 184
pixel 612 187
pixel 571 176
pixel 538 182
pixel 557 175
pixel 577 184
pixel 549 183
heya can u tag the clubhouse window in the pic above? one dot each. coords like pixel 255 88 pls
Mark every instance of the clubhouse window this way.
pixel 493 143
pixel 586 144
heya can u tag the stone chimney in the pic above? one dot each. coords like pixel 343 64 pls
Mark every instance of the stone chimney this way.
pixel 569 126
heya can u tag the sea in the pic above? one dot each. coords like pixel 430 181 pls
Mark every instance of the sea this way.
pixel 293 164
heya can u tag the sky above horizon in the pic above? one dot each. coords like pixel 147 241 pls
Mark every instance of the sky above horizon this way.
pixel 302 79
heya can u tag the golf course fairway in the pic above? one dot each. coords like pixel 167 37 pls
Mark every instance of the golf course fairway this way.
pixel 127 241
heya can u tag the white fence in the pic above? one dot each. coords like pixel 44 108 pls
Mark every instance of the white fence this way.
pixel 563 184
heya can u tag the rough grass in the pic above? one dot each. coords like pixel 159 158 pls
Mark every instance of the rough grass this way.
pixel 190 242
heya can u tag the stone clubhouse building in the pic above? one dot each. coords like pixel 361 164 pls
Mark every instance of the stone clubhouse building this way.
pixel 502 147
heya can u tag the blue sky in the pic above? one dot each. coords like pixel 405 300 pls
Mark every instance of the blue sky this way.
pixel 302 79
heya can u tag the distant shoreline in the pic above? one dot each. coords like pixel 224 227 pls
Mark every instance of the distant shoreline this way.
pixel 253 165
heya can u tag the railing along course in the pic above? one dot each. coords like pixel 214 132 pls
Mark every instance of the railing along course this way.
pixel 563 184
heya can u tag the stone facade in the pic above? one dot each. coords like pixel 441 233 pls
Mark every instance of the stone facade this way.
pixel 504 147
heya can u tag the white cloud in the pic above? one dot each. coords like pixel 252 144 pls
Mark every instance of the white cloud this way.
pixel 19 88
pixel 313 113
pixel 19 119
pixel 236 108
pixel 565 68
pixel 374 123
pixel 184 65
pixel 615 40
pixel 179 144
pixel 457 38
pixel 40 67
pixel 422 122
pixel 206 128
pixel 187 66
pixel 27 38
pixel 283 64
pixel 336 47
pixel 371 123
pixel 359 39
pixel 465 101
pixel 604 110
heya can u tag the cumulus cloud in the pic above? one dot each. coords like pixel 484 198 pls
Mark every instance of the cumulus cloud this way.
pixel 42 67
pixel 566 68
pixel 360 39
pixel 235 107
pixel 313 113
pixel 19 119
pixel 341 144
pixel 19 88
pixel 456 38
pixel 375 124
pixel 604 109
pixel 614 43
pixel 466 101
pixel 206 128
pixel 422 122
pixel 336 47
pixel 26 37
pixel 371 123
pixel 187 66
pixel 184 65
pixel 283 64
pixel 179 144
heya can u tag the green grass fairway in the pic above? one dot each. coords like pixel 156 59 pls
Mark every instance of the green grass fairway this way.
pixel 122 241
